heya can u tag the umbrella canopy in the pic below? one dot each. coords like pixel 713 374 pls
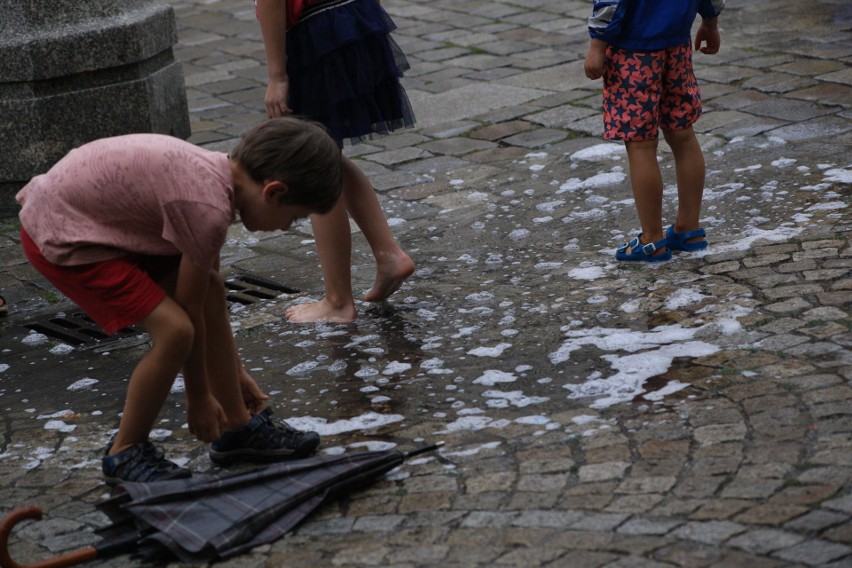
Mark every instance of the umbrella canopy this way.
pixel 205 518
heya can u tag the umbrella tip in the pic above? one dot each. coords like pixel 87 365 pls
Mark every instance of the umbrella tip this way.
pixel 424 449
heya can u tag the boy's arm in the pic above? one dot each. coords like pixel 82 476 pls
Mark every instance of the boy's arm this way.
pixel 708 33
pixel 272 15
pixel 204 414
pixel 604 25
pixel 595 59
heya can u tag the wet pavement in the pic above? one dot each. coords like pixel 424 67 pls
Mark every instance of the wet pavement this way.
pixel 594 414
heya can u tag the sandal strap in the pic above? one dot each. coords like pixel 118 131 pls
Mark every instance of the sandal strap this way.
pixel 688 235
pixel 651 248
pixel 692 234
pixel 635 244
pixel 629 245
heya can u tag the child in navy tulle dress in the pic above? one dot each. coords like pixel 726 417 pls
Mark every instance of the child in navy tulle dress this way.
pixel 334 61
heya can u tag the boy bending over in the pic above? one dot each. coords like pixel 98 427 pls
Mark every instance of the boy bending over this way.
pixel 130 228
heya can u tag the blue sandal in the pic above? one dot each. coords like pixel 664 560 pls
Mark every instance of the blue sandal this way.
pixel 641 252
pixel 679 241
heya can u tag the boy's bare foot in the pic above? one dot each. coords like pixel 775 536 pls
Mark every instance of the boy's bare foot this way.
pixel 390 274
pixel 320 311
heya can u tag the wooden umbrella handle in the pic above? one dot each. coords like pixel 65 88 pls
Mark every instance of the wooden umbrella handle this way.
pixel 86 554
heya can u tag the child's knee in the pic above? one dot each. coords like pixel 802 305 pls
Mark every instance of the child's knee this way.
pixel 173 341
pixel 641 148
pixel 180 335
pixel 679 137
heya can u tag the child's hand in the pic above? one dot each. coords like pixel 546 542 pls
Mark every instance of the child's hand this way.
pixel 708 32
pixel 276 98
pixel 253 397
pixel 206 418
pixel 595 59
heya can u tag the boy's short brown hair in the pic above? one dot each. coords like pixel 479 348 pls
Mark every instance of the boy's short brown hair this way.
pixel 297 152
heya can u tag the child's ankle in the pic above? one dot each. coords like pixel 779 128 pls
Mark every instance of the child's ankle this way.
pixel 645 239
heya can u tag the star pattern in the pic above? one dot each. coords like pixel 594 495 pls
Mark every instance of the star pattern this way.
pixel 645 91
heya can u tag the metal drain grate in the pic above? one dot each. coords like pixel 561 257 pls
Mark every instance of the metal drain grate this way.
pixel 246 289
pixel 81 331
pixel 77 329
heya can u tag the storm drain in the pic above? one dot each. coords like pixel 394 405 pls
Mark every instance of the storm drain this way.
pixel 80 330
pixel 246 289
pixel 77 329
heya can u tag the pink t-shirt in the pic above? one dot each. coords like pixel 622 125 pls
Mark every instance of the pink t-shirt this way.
pixel 140 193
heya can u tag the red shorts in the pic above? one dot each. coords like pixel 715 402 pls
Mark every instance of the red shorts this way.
pixel 648 90
pixel 115 293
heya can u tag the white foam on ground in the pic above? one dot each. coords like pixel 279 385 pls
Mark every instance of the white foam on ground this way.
pixel 82 384
pixel 492 377
pixel 634 370
pixel 495 351
pixel 366 421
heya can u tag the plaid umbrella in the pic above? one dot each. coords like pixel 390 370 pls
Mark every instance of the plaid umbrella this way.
pixel 205 518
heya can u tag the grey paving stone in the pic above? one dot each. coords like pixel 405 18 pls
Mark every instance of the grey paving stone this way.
pixel 789 306
pixel 814 552
pixel 456 146
pixel 649 526
pixel 384 523
pixel 765 541
pixel 710 532
pixel 842 504
pixel 561 116
pixel 812 129
pixel 815 521
pixel 538 138
pixel 548 519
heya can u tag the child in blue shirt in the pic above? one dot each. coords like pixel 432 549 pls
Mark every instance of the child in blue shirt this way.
pixel 642 50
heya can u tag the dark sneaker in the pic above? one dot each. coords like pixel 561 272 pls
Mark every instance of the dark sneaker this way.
pixel 141 463
pixel 262 440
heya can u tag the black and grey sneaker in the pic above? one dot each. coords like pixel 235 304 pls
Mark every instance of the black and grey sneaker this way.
pixel 141 463
pixel 262 440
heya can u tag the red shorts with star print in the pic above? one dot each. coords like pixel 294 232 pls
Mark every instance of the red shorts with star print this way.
pixel 648 90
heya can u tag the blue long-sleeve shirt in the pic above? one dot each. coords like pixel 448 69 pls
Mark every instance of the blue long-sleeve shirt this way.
pixel 647 25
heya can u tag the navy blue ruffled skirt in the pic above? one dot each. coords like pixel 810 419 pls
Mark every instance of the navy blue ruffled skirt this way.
pixel 345 70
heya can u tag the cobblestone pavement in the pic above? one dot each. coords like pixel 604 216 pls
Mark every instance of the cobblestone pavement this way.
pixel 694 414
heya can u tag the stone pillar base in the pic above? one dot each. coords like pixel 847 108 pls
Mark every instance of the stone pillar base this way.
pixel 111 71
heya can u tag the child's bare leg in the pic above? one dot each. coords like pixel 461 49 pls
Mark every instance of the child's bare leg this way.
pixel 334 246
pixel 172 334
pixel 393 266
pixel 647 184
pixel 689 169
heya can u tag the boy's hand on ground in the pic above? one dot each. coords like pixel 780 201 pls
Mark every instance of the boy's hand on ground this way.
pixel 595 59
pixel 206 419
pixel 708 33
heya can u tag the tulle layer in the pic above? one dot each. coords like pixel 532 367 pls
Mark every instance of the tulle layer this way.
pixel 345 68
